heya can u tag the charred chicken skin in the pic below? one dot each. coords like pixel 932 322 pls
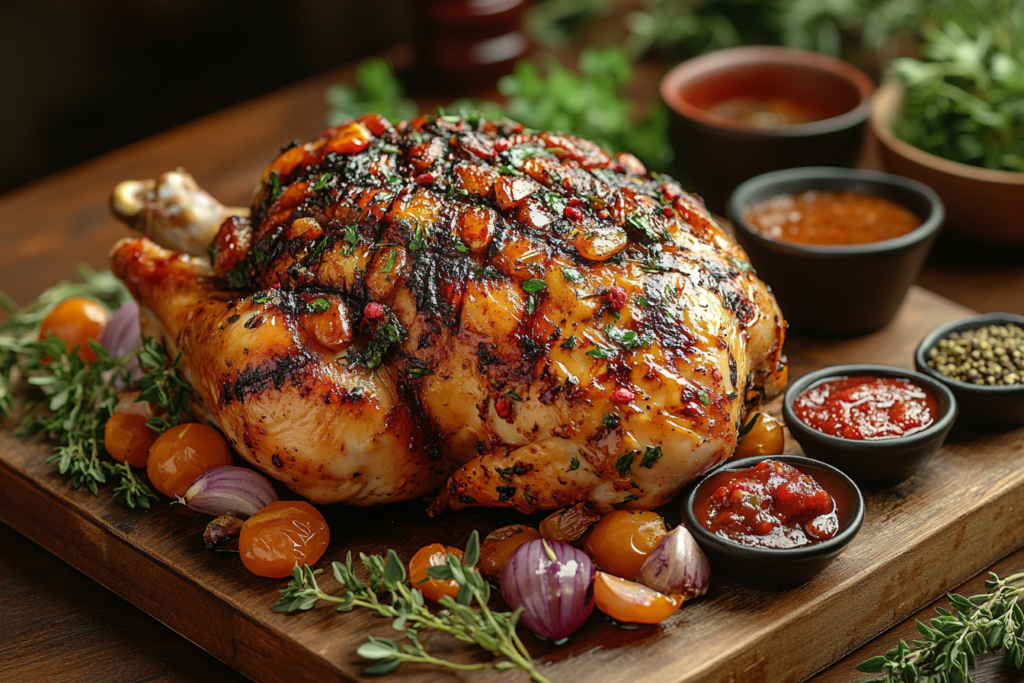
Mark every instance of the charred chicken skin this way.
pixel 468 309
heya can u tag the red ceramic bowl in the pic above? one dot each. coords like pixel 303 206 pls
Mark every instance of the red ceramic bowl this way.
pixel 714 154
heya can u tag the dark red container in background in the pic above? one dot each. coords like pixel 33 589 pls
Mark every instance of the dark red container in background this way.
pixel 465 46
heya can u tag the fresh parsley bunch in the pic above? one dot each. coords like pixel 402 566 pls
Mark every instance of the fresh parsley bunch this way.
pixel 965 102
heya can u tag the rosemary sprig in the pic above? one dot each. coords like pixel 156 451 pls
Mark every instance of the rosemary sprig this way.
pixel 387 594
pixel 992 622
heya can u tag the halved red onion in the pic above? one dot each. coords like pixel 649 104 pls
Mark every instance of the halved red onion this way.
pixel 677 566
pixel 230 490
pixel 554 584
pixel 122 335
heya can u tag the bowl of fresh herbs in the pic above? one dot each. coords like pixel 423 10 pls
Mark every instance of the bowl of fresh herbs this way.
pixel 955 122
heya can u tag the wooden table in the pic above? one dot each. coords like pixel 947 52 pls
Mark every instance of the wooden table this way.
pixel 58 624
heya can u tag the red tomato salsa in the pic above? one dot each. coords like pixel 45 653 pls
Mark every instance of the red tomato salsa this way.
pixel 867 408
pixel 770 505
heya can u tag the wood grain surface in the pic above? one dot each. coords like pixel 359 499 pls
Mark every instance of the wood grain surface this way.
pixel 919 539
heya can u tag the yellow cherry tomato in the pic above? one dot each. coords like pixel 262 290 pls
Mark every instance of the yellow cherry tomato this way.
pixel 127 437
pixel 75 321
pixel 631 602
pixel 181 454
pixel 623 539
pixel 497 548
pixel 766 437
pixel 432 555
pixel 281 535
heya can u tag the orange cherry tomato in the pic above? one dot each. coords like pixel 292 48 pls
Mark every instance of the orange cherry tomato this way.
pixel 631 602
pixel 181 454
pixel 623 539
pixel 281 535
pixel 127 437
pixel 75 321
pixel 432 556
pixel 499 545
pixel 766 437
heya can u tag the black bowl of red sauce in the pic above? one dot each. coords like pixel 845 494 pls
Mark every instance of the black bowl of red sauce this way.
pixel 774 522
pixel 878 424
pixel 839 247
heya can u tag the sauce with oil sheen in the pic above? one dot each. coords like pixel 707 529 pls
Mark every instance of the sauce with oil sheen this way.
pixel 830 218
pixel 867 407
pixel 771 505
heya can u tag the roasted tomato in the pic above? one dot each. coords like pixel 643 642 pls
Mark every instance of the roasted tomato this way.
pixel 623 539
pixel 75 321
pixel 128 438
pixel 432 555
pixel 283 534
pixel 766 437
pixel 499 546
pixel 631 602
pixel 181 454
pixel 569 524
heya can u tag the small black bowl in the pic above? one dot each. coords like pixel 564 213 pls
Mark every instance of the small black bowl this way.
pixel 876 463
pixel 771 568
pixel 838 291
pixel 982 408
pixel 715 154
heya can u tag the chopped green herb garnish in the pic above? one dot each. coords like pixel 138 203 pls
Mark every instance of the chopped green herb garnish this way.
pixel 569 343
pixel 390 263
pixel 600 352
pixel 534 285
pixel 574 463
pixel 318 305
pixel 641 222
pixel 508 170
pixel 420 373
pixel 572 275
pixel 275 186
pixel 651 456
pixel 611 420
pixel 624 463
pixel 505 493
pixel 703 398
pixel 321 183
pixel 352 237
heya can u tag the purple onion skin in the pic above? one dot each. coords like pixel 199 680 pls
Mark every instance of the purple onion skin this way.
pixel 557 596
pixel 230 490
pixel 677 566
pixel 123 334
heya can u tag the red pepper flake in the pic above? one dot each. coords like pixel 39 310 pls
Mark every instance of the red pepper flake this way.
pixel 622 395
pixel 669 191
pixel 617 297
pixel 501 144
pixel 573 213
pixel 503 407
pixel 373 311
pixel 276 285
pixel 603 214
pixel 575 201
pixel 667 210
pixel 425 179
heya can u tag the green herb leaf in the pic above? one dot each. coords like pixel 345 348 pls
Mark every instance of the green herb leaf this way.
pixel 321 183
pixel 611 420
pixel 574 463
pixel 572 275
pixel 534 285
pixel 601 352
pixel 275 186
pixel 651 456
pixel 318 305
pixel 624 463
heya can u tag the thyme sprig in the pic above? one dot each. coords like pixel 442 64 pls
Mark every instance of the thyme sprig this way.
pixel 992 622
pixel 388 594
pixel 162 385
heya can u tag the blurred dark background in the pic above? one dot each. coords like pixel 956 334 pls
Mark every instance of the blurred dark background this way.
pixel 84 77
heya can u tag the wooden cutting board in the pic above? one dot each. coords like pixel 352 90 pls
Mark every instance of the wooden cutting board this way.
pixel 961 513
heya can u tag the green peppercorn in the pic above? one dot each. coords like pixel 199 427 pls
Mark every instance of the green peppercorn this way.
pixel 992 355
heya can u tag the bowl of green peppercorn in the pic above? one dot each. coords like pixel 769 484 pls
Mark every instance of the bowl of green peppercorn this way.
pixel 981 360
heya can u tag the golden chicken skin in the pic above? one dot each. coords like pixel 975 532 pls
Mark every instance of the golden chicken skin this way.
pixel 464 309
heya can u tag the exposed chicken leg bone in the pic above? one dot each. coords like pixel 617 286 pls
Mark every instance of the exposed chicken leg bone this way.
pixel 172 210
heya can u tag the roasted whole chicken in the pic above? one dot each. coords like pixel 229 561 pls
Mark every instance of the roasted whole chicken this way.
pixel 458 307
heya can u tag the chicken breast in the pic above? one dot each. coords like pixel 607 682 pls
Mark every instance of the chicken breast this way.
pixel 518 319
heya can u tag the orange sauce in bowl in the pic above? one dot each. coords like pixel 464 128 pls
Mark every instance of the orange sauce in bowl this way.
pixel 830 218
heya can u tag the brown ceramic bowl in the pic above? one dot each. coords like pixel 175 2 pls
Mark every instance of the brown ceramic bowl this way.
pixel 715 154
pixel 981 203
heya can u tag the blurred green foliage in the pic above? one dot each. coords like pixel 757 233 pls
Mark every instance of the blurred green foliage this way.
pixel 588 103
pixel 376 90
pixel 965 101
